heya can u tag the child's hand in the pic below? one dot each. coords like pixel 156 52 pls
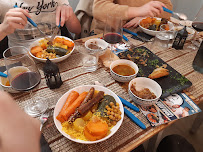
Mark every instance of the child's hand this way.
pixel 63 12
pixel 14 19
pixel 132 23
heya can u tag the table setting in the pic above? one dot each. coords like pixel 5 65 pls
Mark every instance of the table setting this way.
pixel 91 95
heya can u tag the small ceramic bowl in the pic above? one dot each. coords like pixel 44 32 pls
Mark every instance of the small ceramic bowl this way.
pixel 6 88
pixel 141 83
pixel 100 43
pixel 122 78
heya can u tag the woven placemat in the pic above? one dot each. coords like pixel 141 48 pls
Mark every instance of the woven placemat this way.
pixel 73 75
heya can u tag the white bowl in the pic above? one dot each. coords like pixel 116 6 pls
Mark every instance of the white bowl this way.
pixel 152 32
pixel 141 83
pixel 191 31
pixel 7 88
pixel 81 89
pixel 55 60
pixel 100 43
pixel 122 78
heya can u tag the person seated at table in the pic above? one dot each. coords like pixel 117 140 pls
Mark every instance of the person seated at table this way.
pixel 130 11
pixel 47 14
pixel 18 131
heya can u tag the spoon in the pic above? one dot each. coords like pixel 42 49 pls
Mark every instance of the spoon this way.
pixel 180 15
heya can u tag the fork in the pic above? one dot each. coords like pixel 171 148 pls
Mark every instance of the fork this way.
pixel 43 118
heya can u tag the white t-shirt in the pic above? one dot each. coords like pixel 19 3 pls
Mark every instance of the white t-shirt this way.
pixel 42 12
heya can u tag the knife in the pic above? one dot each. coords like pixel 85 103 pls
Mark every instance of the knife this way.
pixel 55 32
pixel 129 105
pixel 134 118
pixel 135 34
pixel 3 75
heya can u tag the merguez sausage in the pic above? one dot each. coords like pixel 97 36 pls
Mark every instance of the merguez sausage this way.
pixel 87 106
pixel 76 114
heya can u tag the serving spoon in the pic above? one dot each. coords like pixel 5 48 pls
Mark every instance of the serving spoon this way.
pixel 180 15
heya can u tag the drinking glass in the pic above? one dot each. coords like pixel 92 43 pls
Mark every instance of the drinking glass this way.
pixel 161 41
pixel 197 24
pixel 89 59
pixel 169 34
pixel 23 75
pixel 113 32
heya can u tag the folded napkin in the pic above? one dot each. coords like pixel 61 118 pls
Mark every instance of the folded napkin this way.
pixel 105 58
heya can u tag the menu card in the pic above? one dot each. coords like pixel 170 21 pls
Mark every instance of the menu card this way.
pixel 171 108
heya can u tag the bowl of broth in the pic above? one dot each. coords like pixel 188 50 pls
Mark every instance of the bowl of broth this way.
pixel 123 70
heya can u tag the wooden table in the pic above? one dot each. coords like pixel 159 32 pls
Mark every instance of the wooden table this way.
pixel 129 135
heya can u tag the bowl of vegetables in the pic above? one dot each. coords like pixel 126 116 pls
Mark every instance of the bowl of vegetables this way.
pixel 88 114
pixel 60 49
pixel 151 25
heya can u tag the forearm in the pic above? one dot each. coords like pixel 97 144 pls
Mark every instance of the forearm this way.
pixel 2 33
pixel 73 25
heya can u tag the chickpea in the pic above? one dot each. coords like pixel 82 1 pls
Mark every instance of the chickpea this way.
pixel 119 117
pixel 111 104
pixel 113 123
pixel 116 115
pixel 111 117
pixel 107 107
pixel 112 113
pixel 117 104
pixel 108 112
pixel 115 110
pixel 119 112
pixel 117 107
pixel 113 107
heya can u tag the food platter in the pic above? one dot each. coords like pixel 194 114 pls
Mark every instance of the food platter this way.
pixel 147 62
pixel 153 32
pixel 58 59
pixel 80 89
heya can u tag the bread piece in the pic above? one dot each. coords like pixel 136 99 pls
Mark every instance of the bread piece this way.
pixel 159 72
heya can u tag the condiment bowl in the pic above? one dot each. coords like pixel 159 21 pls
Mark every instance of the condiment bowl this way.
pixel 122 78
pixel 5 87
pixel 141 83
pixel 100 43
pixel 81 89
pixel 55 60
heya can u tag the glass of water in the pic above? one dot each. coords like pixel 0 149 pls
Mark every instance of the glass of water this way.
pixel 89 59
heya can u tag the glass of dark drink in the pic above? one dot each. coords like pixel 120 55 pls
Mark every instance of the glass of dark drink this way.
pixel 23 75
pixel 113 32
pixel 197 24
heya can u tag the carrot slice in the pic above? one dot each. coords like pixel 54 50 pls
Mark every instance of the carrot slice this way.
pixel 68 43
pixel 71 109
pixel 71 98
pixel 91 137
pixel 34 50
pixel 98 128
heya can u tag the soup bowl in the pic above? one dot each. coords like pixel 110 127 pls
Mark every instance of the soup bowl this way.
pixel 122 78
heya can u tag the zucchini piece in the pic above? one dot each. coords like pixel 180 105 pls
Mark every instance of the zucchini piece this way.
pixel 102 106
pixel 58 50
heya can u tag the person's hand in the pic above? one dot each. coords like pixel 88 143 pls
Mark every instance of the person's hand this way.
pixel 63 13
pixel 132 23
pixel 152 9
pixel 14 19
